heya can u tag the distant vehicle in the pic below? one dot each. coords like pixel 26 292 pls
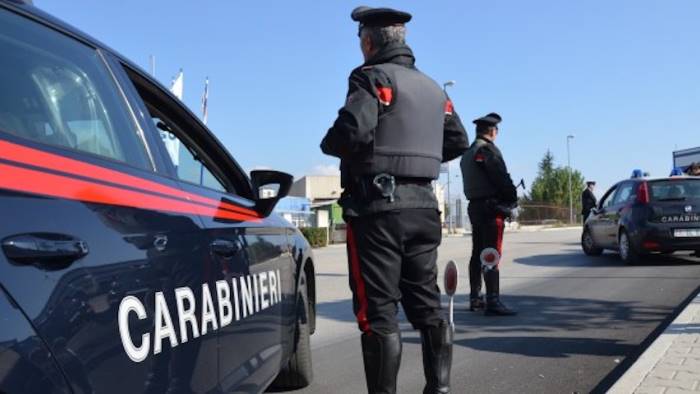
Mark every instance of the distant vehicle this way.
pixel 639 216
pixel 136 255
pixel 684 158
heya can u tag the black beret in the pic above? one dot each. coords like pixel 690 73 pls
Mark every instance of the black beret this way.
pixel 590 183
pixel 491 119
pixel 368 16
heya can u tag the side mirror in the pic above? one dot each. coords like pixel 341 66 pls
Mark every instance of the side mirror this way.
pixel 269 187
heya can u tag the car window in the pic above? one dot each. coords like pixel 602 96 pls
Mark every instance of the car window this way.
pixel 676 189
pixel 625 193
pixel 58 91
pixel 189 165
pixel 607 200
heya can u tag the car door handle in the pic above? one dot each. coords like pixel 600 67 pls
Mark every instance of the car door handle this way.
pixel 225 247
pixel 44 248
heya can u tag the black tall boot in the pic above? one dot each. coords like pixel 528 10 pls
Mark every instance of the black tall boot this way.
pixel 382 357
pixel 437 358
pixel 494 306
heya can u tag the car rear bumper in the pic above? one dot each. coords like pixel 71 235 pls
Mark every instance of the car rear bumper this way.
pixel 660 237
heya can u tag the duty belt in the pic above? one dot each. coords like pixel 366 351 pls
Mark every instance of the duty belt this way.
pixel 383 186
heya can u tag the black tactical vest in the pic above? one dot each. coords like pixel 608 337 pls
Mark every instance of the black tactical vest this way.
pixel 476 182
pixel 408 139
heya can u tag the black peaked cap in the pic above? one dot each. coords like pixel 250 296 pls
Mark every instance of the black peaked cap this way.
pixel 491 119
pixel 368 16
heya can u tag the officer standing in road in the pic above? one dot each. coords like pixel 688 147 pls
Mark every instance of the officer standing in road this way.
pixel 395 129
pixel 492 197
pixel 588 200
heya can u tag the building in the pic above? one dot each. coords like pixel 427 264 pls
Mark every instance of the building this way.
pixel 684 158
pixel 317 188
pixel 297 210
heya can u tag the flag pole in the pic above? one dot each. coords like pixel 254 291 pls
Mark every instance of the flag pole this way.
pixel 205 100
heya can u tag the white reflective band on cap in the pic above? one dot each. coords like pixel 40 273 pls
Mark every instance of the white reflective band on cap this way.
pixel 489 258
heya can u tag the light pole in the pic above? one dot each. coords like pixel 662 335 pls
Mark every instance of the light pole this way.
pixel 568 160
pixel 449 207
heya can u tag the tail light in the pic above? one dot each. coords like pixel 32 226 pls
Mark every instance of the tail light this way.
pixel 643 193
pixel 651 245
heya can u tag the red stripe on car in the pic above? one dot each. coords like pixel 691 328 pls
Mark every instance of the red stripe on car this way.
pixel 47 184
pixel 34 157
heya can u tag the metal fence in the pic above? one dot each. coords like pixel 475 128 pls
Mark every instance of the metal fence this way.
pixel 534 214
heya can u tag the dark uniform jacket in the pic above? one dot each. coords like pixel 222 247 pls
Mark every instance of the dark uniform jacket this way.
pixel 485 174
pixel 588 202
pixel 352 137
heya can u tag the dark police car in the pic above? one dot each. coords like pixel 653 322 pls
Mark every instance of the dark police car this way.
pixel 639 216
pixel 136 255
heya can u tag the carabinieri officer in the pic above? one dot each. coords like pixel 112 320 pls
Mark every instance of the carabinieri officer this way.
pixel 395 129
pixel 492 196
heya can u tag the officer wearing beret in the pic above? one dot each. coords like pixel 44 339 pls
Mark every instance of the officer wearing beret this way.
pixel 396 127
pixel 492 197
pixel 588 200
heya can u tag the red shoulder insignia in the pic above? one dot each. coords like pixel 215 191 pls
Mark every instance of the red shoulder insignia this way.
pixel 449 108
pixel 479 158
pixel 384 94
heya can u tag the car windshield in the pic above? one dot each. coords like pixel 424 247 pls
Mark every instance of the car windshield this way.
pixel 675 190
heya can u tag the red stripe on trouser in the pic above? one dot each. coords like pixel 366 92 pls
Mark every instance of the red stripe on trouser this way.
pixel 359 282
pixel 499 234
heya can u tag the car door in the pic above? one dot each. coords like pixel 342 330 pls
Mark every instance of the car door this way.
pixel 625 192
pixel 598 223
pixel 93 234
pixel 250 255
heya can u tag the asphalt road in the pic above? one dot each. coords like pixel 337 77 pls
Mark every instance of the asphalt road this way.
pixel 582 320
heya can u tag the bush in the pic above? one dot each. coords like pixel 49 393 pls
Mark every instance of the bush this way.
pixel 317 237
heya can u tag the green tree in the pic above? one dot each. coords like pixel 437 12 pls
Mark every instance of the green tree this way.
pixel 551 189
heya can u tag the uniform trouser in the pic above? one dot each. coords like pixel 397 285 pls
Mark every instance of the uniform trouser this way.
pixel 487 232
pixel 392 258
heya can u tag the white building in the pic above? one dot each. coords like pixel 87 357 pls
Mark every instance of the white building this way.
pixel 317 188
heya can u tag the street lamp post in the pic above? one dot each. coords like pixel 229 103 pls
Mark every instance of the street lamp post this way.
pixel 568 160
pixel 449 207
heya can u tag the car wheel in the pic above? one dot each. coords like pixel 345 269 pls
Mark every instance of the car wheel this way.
pixel 628 253
pixel 298 373
pixel 588 244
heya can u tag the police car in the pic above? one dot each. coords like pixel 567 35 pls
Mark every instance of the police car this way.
pixel 137 256
pixel 639 216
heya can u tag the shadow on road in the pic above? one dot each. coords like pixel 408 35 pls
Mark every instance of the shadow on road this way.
pixel 609 259
pixel 537 314
pixel 547 346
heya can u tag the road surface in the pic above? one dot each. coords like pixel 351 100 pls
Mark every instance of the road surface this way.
pixel 582 319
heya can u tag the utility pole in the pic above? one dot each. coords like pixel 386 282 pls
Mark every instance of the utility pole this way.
pixel 568 160
pixel 449 206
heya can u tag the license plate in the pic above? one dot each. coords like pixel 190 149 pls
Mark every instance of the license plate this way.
pixel 686 233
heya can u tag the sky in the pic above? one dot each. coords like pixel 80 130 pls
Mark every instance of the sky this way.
pixel 622 77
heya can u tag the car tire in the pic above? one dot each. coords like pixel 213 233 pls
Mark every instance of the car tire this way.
pixel 628 253
pixel 298 373
pixel 588 244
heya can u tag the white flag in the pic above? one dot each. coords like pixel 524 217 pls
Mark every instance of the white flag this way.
pixel 172 144
pixel 177 85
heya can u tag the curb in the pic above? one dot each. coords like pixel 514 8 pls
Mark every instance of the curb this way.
pixel 645 364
